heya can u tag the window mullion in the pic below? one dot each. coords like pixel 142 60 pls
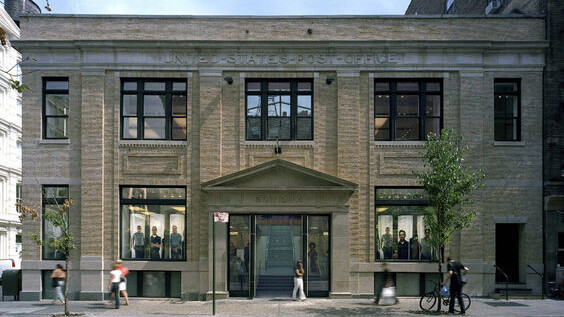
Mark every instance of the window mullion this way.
pixel 393 110
pixel 168 110
pixel 293 109
pixel 264 109
pixel 140 115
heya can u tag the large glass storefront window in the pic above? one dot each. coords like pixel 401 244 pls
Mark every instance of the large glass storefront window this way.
pixel 153 222
pixel 54 198
pixel 401 234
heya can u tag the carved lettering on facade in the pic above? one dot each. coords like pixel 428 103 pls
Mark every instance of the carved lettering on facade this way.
pixel 279 198
pixel 281 59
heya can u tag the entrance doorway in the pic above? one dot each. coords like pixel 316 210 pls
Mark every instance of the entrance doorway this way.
pixel 264 249
pixel 507 252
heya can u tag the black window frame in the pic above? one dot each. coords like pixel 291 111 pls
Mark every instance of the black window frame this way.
pixel 51 201
pixel 393 116
pixel 517 93
pixel 264 93
pixel 44 114
pixel 140 92
pixel 154 201
pixel 413 202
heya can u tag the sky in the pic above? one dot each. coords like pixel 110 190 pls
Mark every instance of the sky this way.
pixel 227 7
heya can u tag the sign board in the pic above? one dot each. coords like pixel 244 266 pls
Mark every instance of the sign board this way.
pixel 220 217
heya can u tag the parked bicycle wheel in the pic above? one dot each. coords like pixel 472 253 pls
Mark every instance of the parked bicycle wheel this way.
pixel 467 303
pixel 428 301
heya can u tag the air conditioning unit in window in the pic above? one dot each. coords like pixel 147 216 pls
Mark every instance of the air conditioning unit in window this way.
pixel 493 6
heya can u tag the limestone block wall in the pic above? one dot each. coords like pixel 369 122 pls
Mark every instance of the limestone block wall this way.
pixel 94 162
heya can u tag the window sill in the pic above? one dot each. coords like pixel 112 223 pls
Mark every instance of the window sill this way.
pixel 152 143
pixel 408 144
pixel 280 143
pixel 509 143
pixel 55 141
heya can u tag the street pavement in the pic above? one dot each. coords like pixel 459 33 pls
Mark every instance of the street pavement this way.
pixel 281 307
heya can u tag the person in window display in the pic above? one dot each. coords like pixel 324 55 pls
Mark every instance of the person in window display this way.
pixel 175 243
pixel 426 248
pixel 403 246
pixel 312 254
pixel 387 246
pixel 155 245
pixel 138 241
pixel 414 247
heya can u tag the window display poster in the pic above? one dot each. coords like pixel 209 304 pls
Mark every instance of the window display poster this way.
pixel 134 221
pixel 405 223
pixel 176 220
pixel 420 226
pixel 383 222
pixel 157 220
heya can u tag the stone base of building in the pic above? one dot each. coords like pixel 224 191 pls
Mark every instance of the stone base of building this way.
pixel 93 296
pixel 192 296
pixel 340 295
pixel 30 296
pixel 218 295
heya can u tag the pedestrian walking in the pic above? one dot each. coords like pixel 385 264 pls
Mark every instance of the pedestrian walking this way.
pixel 113 284
pixel 58 278
pixel 454 269
pixel 299 281
pixel 123 283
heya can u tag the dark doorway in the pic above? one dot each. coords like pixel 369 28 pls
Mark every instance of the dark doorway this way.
pixel 507 252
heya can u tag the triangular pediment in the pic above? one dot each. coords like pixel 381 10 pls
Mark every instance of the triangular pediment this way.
pixel 278 175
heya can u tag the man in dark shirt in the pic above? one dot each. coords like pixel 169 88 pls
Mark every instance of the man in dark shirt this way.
pixel 138 240
pixel 155 244
pixel 403 246
pixel 454 269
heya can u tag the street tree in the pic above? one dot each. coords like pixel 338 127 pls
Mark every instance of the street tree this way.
pixel 64 243
pixel 448 183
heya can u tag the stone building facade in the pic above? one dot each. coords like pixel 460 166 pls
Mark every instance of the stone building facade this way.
pixel 304 129
pixel 553 127
pixel 10 145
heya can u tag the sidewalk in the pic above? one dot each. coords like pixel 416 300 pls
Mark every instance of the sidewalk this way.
pixel 282 307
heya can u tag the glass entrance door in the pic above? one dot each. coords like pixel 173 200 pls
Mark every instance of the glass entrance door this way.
pixel 264 249
pixel 279 244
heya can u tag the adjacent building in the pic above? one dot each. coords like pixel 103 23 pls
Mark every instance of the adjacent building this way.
pixel 304 129
pixel 10 144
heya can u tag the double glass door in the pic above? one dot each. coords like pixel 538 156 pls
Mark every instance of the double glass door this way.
pixel 264 249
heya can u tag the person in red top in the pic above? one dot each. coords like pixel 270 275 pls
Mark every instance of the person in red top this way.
pixel 123 284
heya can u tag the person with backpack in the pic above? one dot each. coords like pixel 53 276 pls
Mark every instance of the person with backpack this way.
pixel 454 269
pixel 57 282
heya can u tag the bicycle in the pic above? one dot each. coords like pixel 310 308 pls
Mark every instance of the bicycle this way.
pixel 429 300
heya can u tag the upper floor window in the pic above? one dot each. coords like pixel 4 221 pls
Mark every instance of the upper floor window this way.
pixel 53 198
pixel 55 108
pixel 153 109
pixel 18 196
pixel 279 109
pixel 507 110
pixel 449 8
pixel 407 109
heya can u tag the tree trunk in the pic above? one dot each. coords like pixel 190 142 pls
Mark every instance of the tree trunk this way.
pixel 67 313
pixel 441 259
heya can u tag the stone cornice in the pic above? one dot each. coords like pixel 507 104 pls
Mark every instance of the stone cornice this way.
pixel 299 44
